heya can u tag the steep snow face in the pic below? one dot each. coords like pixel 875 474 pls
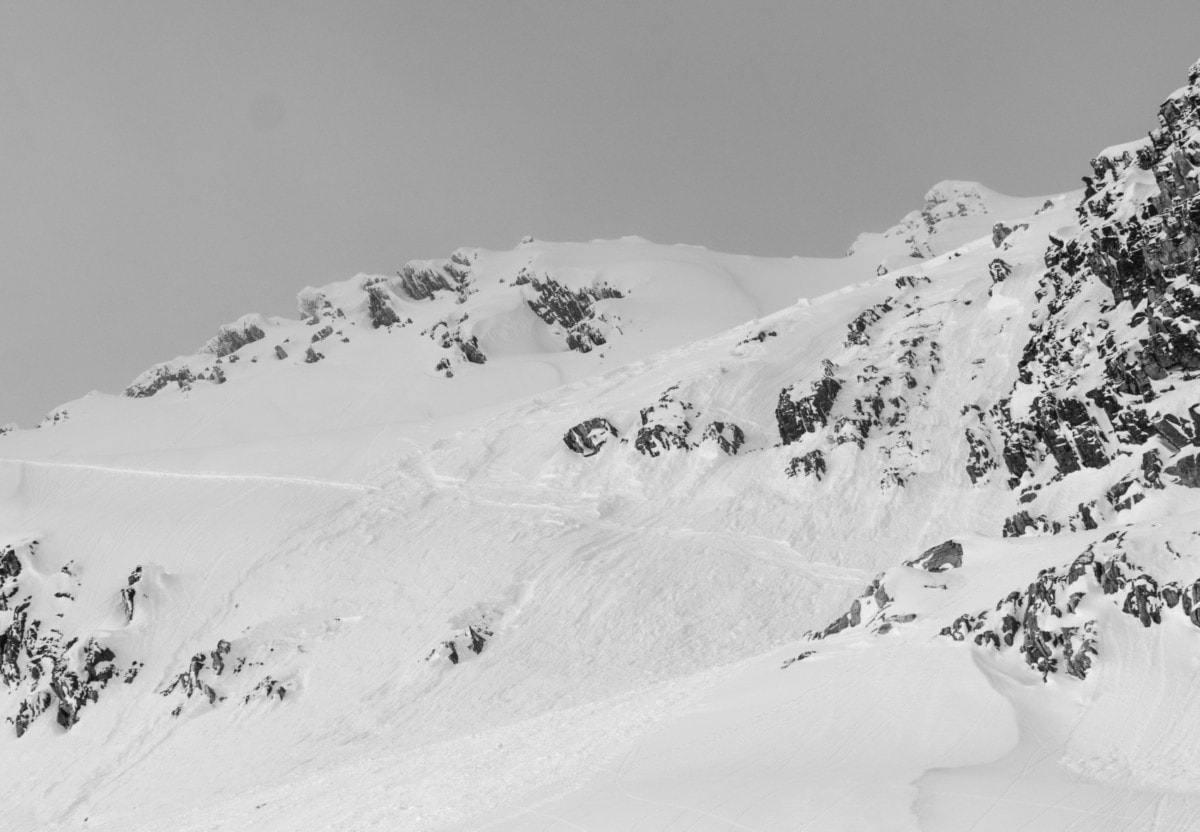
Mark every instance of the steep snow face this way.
pixel 666 548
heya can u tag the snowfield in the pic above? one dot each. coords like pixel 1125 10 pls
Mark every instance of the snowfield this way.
pixel 814 557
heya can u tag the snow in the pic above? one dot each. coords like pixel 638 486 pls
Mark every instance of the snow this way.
pixel 338 522
pixel 1130 149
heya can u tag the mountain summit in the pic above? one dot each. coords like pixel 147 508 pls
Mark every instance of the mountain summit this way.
pixel 615 535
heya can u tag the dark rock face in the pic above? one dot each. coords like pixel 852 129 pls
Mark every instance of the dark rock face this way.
pixel 573 311
pixel 450 338
pixel 379 307
pixel 471 639
pixel 812 464
pixel 798 658
pixel 1023 522
pixel 871 610
pixel 1001 232
pixel 948 555
pixel 213 677
pixel 1185 470
pixel 129 594
pixel 191 682
pixel 1042 621
pixel 44 668
pixel 981 459
pixel 10 571
pixel 1122 305
pixel 665 425
pixel 159 377
pixel 232 337
pixel 851 618
pixel 796 417
pixel 1061 429
pixel 422 282
pixel 909 281
pixel 760 336
pixel 728 436
pixel 859 329
pixel 266 689
pixel 74 688
pixel 589 436
pixel 470 350
pixel 891 358
pixel 999 270
pixel 280 352
pixel 311 356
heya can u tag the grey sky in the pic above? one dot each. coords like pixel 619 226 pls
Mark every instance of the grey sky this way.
pixel 167 167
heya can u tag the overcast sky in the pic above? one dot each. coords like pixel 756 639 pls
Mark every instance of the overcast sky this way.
pixel 167 167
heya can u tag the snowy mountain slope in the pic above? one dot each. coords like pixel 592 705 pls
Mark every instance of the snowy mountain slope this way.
pixel 439 338
pixel 917 553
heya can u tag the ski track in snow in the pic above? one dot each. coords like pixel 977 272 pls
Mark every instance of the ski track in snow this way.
pixel 195 475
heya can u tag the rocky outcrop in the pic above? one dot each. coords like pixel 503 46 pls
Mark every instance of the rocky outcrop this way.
pixel 225 673
pixel 981 455
pixel 1046 621
pixel 422 279
pixel 1119 324
pixel 948 555
pixel 194 681
pixel 232 337
pixel 811 464
pixel 728 436
pixel 44 668
pixel 572 311
pixel 760 336
pixel 858 331
pixel 129 594
pixel 797 416
pixel 470 640
pixel 589 436
pixel 158 377
pixel 1000 271
pixel 947 200
pixel 450 335
pixel 910 281
pixel 1001 232
pixel 379 308
pixel 666 425
pixel 1185 470
pixel 872 610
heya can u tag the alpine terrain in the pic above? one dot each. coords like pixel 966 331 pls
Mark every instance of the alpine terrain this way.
pixel 623 536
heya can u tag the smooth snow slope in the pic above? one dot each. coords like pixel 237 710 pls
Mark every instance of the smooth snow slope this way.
pixel 338 522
